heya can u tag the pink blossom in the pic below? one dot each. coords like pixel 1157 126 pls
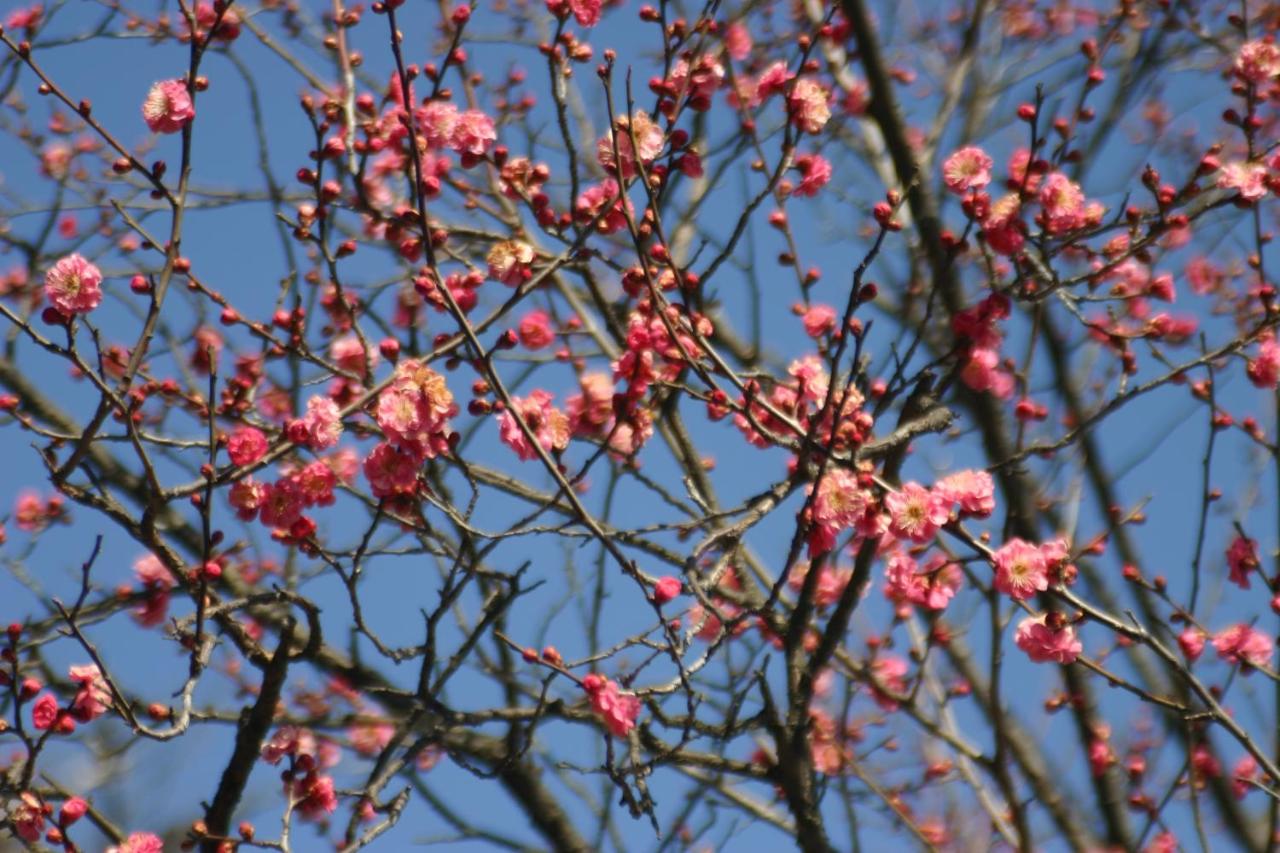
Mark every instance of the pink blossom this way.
pixel 437 121
pixel 509 262
pixel 28 817
pixel 294 741
pixel 322 422
pixel 888 673
pixel 969 168
pixel 72 810
pixel 1002 228
pixel 73 286
pixel 1242 558
pixel 972 490
pixel 808 105
pixel 1243 645
pixel 44 712
pixel 931 587
pixel 473 134
pixel 93 699
pixel 982 372
pixel 549 425
pixel 649 141
pixel 666 589
pixel 168 107
pixel 1249 179
pixel 819 320
pixel 698 81
pixel 591 411
pixel 830 585
pixel 349 354
pixel 246 445
pixel 1191 641
pixel 247 496
pixel 916 513
pixel 1258 61
pixel 586 12
pixel 1245 771
pixel 839 504
pixel 390 472
pixel 283 505
pixel 535 330
pixel 313 796
pixel 1063 204
pixel 737 41
pixel 617 710
pixel 1044 644
pixel 815 172
pixel 414 410
pixel 316 481
pixel 140 842
pixel 1264 369
pixel 591 203
pixel 1020 570
pixel 1101 755
pixel 26 18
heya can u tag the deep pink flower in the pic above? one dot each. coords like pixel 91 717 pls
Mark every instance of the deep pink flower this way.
pixel 28 817
pixel 815 172
pixel 94 697
pixel 140 842
pixel 535 330
pixel 246 445
pixel 808 105
pixel 73 286
pixel 666 589
pixel 971 490
pixel 969 168
pixel 168 107
pixel 1249 179
pixel 1264 369
pixel 44 712
pixel 1043 644
pixel 1258 61
pixel 322 422
pixel 1242 558
pixel 72 810
pixel 549 425
pixel 617 710
pixel 649 141
pixel 916 513
pixel 510 262
pixel 1191 641
pixel 819 320
pixel 390 471
pixel 1020 570
pixel 1243 645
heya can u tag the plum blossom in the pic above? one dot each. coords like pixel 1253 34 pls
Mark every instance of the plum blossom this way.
pixel 390 471
pixel 313 795
pixel 815 172
pixel 509 262
pixel 649 141
pixel 841 503
pixel 1002 228
pixel 1249 179
pixel 27 817
pixel 73 286
pixel 93 697
pixel 973 491
pixel 168 107
pixel 322 424
pixel 819 320
pixel 1044 644
pixel 916 513
pixel 1258 61
pixel 808 105
pixel 1242 558
pixel 473 134
pixel 1063 204
pixel 617 710
pixel 246 445
pixel 1264 369
pixel 1021 570
pixel 139 842
pixel 1243 645
pixel 969 168
pixel 1191 641
pixel 535 330
pixel 549 425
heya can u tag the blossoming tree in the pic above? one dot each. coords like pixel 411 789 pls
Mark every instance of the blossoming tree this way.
pixel 589 426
